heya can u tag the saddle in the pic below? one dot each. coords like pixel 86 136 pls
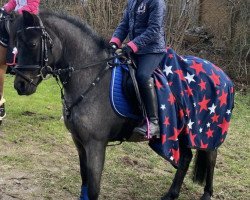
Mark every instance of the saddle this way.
pixel 125 95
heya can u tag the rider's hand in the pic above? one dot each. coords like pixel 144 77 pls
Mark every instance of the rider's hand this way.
pixel 113 47
pixel 127 50
pixel 3 13
pixel 2 10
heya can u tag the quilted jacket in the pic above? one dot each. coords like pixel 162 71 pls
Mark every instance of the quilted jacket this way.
pixel 144 22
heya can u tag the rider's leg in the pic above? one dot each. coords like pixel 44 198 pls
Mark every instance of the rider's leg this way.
pixel 4 40
pixel 3 68
pixel 146 64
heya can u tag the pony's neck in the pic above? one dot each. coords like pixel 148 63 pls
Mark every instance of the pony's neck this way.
pixel 75 48
pixel 75 44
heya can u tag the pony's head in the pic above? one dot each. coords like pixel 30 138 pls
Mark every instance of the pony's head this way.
pixel 34 51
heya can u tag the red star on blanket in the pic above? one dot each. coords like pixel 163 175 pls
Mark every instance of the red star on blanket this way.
pixel 215 78
pixel 189 91
pixel 203 146
pixel 158 84
pixel 209 133
pixel 180 73
pixel 223 99
pixel 176 154
pixel 224 126
pixel 197 67
pixel 192 138
pixel 166 121
pixel 171 99
pixel 202 84
pixel 215 118
pixel 203 103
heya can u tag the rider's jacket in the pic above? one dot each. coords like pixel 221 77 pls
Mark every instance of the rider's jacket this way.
pixel 144 22
pixel 31 6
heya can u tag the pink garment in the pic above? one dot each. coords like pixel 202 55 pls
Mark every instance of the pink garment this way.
pixel 131 44
pixel 31 6
pixel 117 41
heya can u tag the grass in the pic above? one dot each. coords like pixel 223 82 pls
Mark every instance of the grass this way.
pixel 38 159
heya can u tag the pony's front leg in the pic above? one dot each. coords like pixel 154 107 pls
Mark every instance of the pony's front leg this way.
pixel 83 167
pixel 95 152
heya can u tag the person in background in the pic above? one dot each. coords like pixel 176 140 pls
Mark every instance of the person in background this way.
pixel 144 22
pixel 17 6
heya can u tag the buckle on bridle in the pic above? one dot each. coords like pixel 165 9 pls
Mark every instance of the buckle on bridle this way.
pixel 46 72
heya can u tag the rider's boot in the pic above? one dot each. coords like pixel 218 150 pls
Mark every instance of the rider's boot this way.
pixel 149 98
pixel 2 109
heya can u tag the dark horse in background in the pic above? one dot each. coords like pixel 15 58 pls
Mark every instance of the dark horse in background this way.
pixel 60 41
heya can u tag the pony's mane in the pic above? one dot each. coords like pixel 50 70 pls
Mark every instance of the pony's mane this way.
pixel 83 26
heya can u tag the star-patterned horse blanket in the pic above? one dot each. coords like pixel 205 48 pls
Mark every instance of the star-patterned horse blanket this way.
pixel 195 100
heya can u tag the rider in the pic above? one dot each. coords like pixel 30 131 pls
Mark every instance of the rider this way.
pixel 18 6
pixel 144 22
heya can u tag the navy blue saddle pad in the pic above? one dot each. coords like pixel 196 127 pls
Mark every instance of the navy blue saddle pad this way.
pixel 118 99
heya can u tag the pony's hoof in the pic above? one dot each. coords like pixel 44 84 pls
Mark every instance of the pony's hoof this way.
pixel 206 196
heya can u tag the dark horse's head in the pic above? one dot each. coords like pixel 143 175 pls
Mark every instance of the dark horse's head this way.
pixel 34 50
pixel 52 41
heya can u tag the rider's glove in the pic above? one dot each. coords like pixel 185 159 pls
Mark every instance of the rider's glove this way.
pixel 113 47
pixel 3 13
pixel 127 50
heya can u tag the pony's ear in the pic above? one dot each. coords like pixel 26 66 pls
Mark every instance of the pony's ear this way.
pixel 30 19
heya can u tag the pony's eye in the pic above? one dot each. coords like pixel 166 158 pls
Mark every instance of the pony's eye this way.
pixel 32 44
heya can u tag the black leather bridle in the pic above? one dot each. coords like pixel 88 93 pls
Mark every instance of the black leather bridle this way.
pixel 45 69
pixel 43 66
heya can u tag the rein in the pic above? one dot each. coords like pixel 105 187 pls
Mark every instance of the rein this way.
pixel 72 69
pixel 102 72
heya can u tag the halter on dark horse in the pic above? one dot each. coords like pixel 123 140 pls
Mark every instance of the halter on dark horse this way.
pixel 45 48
